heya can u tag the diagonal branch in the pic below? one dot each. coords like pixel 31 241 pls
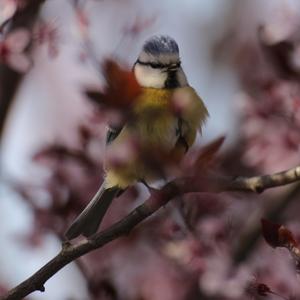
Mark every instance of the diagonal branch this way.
pixel 157 199
pixel 260 183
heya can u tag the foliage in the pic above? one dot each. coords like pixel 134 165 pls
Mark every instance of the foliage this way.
pixel 202 245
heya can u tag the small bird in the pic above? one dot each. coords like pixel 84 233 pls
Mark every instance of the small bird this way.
pixel 159 73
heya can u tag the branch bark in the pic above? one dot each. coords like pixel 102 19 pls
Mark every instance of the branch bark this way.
pixel 157 199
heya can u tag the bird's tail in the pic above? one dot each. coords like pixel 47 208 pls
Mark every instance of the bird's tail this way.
pixel 89 220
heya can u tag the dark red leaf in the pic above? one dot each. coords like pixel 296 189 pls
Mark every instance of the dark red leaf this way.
pixel 263 289
pixel 277 235
pixel 270 232
pixel 208 153
pixel 286 237
pixel 122 88
pixel 62 153
pixel 85 134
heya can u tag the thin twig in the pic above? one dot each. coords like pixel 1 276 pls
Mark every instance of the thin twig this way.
pixel 157 199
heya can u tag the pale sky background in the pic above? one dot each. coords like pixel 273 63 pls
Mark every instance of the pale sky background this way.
pixel 48 101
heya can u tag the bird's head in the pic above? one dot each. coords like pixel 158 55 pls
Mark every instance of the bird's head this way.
pixel 158 65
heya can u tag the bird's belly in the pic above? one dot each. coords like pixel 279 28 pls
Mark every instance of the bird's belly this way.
pixel 157 133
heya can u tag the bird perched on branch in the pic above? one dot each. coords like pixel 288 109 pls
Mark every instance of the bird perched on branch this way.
pixel 154 124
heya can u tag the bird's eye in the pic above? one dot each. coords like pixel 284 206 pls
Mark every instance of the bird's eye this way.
pixel 151 64
pixel 156 65
pixel 159 65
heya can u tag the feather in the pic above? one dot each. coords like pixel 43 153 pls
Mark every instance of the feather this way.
pixel 89 220
pixel 157 45
pixel 112 134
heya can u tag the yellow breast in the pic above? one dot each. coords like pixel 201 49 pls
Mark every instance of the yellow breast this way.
pixel 155 123
pixel 151 97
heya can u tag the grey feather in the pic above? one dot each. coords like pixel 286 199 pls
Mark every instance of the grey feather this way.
pixel 161 44
pixel 89 220
pixel 112 134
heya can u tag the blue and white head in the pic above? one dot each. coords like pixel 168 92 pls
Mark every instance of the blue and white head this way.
pixel 158 65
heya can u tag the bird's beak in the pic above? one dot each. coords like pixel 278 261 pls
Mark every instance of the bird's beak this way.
pixel 173 67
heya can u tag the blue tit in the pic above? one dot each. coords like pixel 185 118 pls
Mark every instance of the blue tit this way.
pixel 159 72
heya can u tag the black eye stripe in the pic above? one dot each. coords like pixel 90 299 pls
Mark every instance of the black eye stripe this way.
pixel 158 65
pixel 152 65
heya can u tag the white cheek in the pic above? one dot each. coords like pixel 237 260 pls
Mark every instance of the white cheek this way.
pixel 148 77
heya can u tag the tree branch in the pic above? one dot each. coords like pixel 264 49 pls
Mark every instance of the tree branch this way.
pixel 157 199
pixel 260 183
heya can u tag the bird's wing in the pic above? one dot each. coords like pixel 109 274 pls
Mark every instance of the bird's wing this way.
pixel 181 140
pixel 112 133
pixel 193 116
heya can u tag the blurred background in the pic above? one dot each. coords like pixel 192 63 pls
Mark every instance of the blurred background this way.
pixel 242 57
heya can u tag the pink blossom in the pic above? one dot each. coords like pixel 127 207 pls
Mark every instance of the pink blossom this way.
pixel 12 49
pixel 47 33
